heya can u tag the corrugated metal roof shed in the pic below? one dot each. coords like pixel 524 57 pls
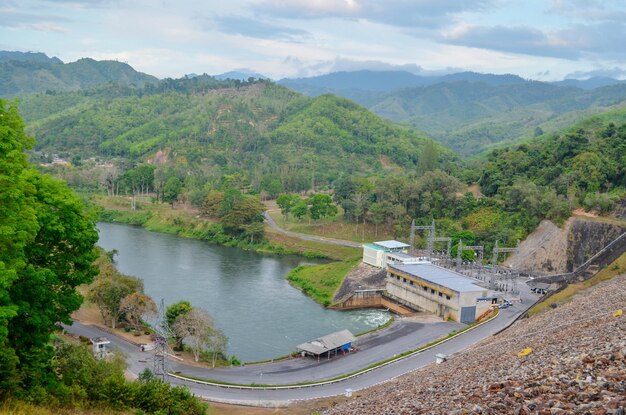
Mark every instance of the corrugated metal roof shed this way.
pixel 327 343
pixel 391 244
pixel 441 276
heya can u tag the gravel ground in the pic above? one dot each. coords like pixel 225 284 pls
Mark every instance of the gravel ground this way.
pixel 577 366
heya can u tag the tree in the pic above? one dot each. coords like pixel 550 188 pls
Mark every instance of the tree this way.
pixel 244 217
pixel 46 250
pixel 172 313
pixel 217 345
pixel 107 295
pixel 286 202
pixel 429 157
pixel 376 215
pixel 300 209
pixel 213 203
pixel 322 206
pixel 196 329
pixel 171 190
pixel 135 306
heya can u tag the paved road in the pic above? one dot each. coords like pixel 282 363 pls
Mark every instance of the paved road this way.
pixel 274 225
pixel 404 334
pixel 139 360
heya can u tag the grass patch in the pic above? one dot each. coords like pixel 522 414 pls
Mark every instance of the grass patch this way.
pixel 16 407
pixel 320 282
pixel 336 228
pixel 616 268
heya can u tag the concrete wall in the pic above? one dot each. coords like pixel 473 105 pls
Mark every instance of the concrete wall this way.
pixel 374 257
pixel 424 299
pixel 372 299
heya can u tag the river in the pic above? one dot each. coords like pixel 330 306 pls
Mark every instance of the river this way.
pixel 246 293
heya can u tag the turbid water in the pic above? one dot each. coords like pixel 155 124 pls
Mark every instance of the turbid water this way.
pixel 245 292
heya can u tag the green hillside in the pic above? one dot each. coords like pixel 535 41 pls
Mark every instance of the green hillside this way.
pixel 256 128
pixel 468 112
pixel 22 73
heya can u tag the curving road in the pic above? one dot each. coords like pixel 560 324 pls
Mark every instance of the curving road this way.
pixel 299 370
pixel 274 225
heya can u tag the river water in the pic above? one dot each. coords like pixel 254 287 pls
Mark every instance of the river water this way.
pixel 245 292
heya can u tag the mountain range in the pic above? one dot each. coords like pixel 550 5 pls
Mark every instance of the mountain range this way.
pixel 467 111
pixel 22 73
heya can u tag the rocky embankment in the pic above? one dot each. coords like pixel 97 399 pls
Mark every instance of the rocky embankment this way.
pixel 552 250
pixel 577 366
pixel 362 277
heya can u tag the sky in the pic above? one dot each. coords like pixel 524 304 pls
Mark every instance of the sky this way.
pixel 536 39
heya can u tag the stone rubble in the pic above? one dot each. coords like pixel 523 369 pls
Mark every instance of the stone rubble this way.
pixel 577 366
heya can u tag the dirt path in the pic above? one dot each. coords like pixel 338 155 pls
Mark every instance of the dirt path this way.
pixel 275 226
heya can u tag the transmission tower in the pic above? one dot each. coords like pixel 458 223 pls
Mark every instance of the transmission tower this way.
pixel 497 250
pixel 479 249
pixel 431 239
pixel 162 333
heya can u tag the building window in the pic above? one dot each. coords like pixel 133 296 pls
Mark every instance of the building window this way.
pixel 440 294
pixel 404 280
pixel 425 288
pixel 447 297
pixel 432 291
pixel 411 282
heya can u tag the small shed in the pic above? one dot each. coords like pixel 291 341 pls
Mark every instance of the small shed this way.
pixel 99 345
pixel 376 253
pixel 340 341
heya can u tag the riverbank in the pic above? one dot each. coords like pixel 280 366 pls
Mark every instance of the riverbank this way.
pixel 187 222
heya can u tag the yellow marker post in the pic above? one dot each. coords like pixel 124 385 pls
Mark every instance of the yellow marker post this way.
pixel 525 352
pixel 617 313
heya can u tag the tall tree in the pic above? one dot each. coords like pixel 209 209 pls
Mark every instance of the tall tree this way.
pixel 195 328
pixel 46 250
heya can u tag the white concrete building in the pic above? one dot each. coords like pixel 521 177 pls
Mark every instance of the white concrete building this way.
pixel 376 253
pixel 428 287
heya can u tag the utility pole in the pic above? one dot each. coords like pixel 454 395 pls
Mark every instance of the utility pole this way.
pixel 161 345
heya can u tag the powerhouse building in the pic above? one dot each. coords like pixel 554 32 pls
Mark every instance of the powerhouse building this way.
pixel 428 287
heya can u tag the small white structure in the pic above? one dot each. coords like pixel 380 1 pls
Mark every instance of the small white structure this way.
pixel 376 253
pixel 99 345
pixel 440 358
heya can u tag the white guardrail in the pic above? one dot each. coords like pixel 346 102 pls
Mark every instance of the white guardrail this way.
pixel 329 382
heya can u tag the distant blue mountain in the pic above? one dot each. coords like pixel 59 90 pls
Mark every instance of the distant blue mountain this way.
pixel 6 55
pixel 361 80
pixel 240 75
pixel 487 78
pixel 591 83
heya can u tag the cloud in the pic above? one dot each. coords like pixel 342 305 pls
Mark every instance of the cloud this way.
pixel 590 10
pixel 615 72
pixel 399 13
pixel 255 28
pixel 82 4
pixel 521 39
pixel 38 22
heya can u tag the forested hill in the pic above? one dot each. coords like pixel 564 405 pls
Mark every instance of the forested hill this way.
pixel 470 112
pixel 257 128
pixel 22 73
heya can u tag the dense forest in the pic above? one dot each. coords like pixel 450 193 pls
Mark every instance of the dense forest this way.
pixel 214 144
pixel 467 111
